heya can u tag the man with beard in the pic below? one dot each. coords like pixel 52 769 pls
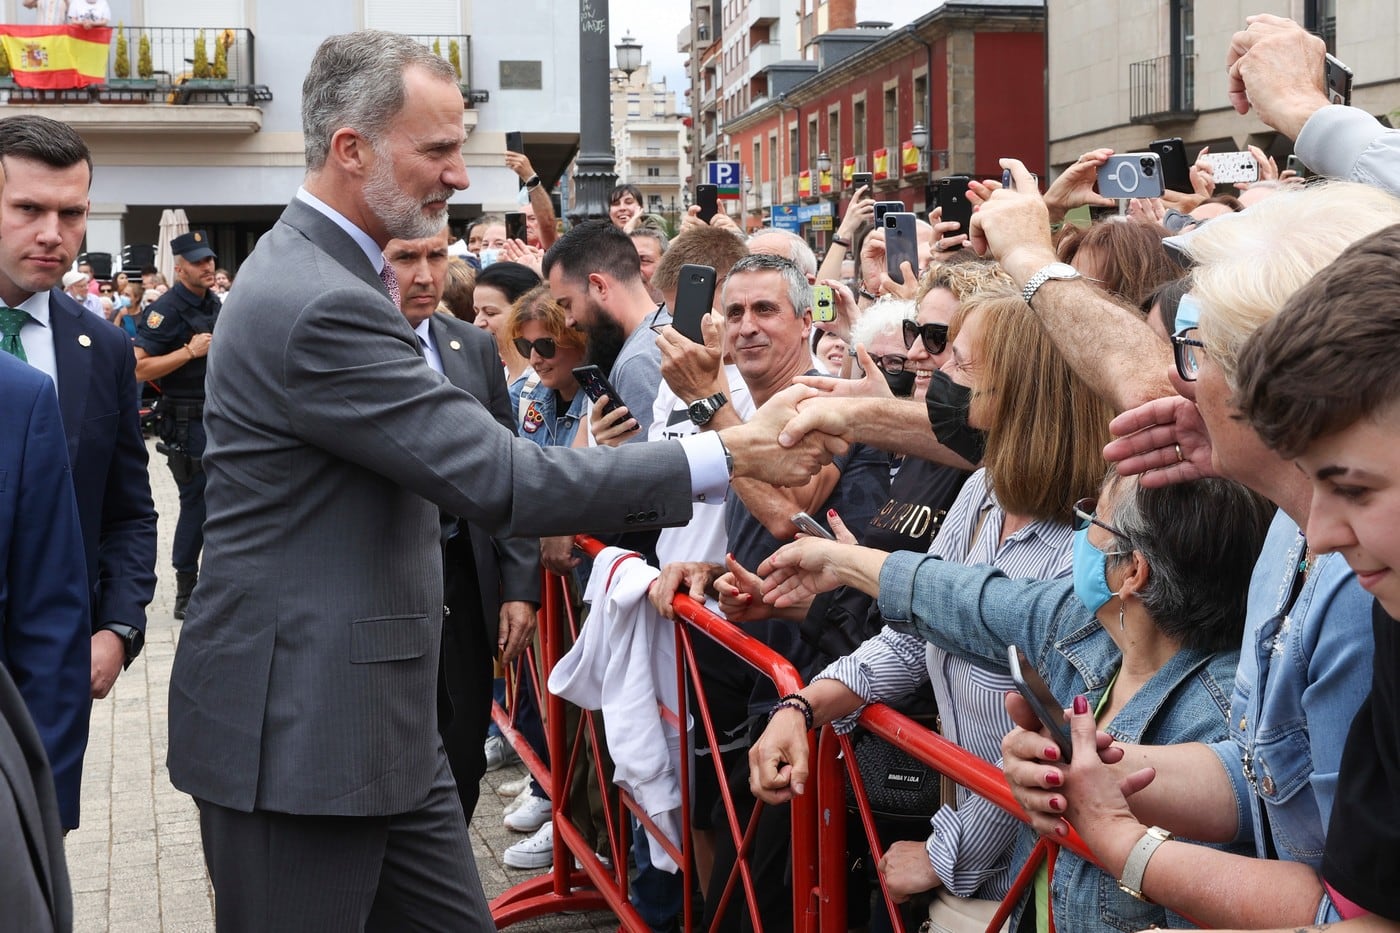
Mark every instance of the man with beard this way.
pixel 595 274
pixel 303 692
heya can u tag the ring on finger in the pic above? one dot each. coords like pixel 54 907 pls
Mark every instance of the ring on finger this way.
pixel 1179 456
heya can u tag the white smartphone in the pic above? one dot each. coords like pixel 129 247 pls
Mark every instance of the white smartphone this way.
pixel 1233 167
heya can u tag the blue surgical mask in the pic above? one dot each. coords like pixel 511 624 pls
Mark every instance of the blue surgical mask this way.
pixel 1090 573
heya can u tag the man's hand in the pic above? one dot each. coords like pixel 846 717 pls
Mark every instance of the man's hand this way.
pixel 199 345
pixel 871 384
pixel 692 370
pixel 518 621
pixel 1202 175
pixel 1075 186
pixel 108 655
pixel 1276 67
pixel 907 870
pixel 759 455
pixel 860 213
pixel 614 428
pixel 778 760
pixel 525 254
pixel 1014 226
pixel 557 554
pixel 1165 440
pixel 871 265
pixel 518 163
pixel 1152 210
pixel 690 577
pixel 943 245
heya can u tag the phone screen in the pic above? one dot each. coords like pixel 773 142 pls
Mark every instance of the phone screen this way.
pixel 515 226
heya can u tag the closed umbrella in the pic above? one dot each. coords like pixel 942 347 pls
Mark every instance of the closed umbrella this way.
pixel 172 224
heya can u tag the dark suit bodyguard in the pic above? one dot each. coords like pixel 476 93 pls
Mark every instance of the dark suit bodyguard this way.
pixel 43 219
pixel 172 346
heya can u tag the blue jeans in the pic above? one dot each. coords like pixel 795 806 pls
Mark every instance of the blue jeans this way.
pixel 655 893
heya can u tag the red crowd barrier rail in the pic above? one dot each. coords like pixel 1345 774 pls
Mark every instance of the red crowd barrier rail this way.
pixel 581 880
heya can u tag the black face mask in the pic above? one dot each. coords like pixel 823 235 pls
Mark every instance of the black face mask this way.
pixel 948 404
pixel 901 384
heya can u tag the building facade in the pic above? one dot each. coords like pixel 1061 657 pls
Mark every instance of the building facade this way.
pixel 650 139
pixel 231 156
pixel 1123 73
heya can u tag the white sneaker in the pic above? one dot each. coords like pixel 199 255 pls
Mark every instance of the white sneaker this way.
pixel 515 804
pixel 512 789
pixel 530 816
pixel 535 852
pixel 499 753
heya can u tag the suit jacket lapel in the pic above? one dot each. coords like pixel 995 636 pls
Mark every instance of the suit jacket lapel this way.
pixel 73 363
pixel 322 231
pixel 454 362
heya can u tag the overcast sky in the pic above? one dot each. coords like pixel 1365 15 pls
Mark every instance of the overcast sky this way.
pixel 656 23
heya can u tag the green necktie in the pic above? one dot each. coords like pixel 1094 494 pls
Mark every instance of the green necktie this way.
pixel 11 320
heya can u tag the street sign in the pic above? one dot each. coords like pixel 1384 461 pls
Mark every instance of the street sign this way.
pixel 823 222
pixel 785 217
pixel 806 212
pixel 726 176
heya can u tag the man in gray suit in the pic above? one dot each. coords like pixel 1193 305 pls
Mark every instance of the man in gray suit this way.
pixel 302 698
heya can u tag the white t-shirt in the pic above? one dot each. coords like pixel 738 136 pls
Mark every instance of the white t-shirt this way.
pixel 96 12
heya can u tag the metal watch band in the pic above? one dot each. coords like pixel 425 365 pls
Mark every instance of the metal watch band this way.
pixel 1136 865
pixel 1044 275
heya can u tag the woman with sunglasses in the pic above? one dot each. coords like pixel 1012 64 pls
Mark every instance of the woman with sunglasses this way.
pixel 548 403
pixel 1146 629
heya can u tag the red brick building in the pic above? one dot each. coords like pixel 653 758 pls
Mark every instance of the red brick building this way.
pixel 972 75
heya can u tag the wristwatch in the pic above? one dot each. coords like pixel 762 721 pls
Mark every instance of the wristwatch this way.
pixel 1136 865
pixel 704 409
pixel 532 182
pixel 132 639
pixel 1055 270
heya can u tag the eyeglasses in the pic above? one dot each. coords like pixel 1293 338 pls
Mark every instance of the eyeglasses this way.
pixel 1084 516
pixel 891 363
pixel 105 291
pixel 544 346
pixel 935 336
pixel 1188 361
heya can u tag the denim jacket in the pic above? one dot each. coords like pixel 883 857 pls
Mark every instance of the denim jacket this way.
pixel 1302 676
pixel 975 612
pixel 535 416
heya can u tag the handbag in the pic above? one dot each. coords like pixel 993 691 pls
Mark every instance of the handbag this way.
pixel 897 785
pixel 952 914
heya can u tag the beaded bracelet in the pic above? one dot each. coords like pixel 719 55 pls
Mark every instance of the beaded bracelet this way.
pixel 798 702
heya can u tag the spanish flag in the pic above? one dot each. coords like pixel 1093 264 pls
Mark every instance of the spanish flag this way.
pixel 824 181
pixel 881 158
pixel 848 171
pixel 908 157
pixel 56 57
pixel 804 184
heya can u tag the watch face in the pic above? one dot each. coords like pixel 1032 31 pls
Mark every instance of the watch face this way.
pixel 700 411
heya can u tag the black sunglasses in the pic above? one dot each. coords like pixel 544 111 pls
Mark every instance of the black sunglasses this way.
pixel 544 346
pixel 1084 516
pixel 935 336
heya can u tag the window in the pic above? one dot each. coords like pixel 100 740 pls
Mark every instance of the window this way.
pixel 921 111
pixel 773 158
pixel 429 17
pixel 653 171
pixel 812 147
pixel 1320 17
pixel 833 137
pixel 1183 58
pixel 859 143
pixel 794 157
pixel 756 166
pixel 892 118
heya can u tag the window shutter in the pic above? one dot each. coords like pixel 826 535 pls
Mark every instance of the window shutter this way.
pixel 415 17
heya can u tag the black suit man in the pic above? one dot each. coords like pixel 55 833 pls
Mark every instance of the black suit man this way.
pixel 491 585
pixel 43 218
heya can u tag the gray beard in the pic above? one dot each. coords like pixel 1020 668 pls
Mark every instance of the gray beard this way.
pixel 402 217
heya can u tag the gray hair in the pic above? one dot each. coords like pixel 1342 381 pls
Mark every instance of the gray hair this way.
pixel 356 81
pixel 799 290
pixel 645 231
pixel 797 249
pixel 885 316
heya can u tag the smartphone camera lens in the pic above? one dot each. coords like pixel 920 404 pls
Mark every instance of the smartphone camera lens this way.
pixel 1148 167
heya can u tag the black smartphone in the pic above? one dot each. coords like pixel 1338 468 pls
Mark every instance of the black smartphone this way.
pixel 695 296
pixel 952 198
pixel 901 243
pixel 809 525
pixel 515 142
pixel 885 207
pixel 1047 709
pixel 1176 174
pixel 1338 78
pixel 707 196
pixel 515 225
pixel 863 179
pixel 1295 164
pixel 595 385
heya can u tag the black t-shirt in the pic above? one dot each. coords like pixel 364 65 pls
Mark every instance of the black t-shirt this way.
pixel 1362 860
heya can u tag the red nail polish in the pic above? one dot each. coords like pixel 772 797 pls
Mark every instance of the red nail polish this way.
pixel 1081 705
pixel 1053 778
pixel 830 513
pixel 1057 804
pixel 1051 753
pixel 1062 829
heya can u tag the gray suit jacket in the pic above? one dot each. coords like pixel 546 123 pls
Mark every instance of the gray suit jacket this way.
pixel 305 678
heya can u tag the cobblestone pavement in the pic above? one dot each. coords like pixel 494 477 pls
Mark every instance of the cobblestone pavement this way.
pixel 135 860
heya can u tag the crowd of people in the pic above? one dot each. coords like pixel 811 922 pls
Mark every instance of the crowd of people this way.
pixel 1151 452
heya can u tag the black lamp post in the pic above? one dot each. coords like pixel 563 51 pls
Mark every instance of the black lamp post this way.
pixel 595 168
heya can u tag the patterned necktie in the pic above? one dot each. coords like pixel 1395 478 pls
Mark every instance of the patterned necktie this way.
pixel 11 320
pixel 391 282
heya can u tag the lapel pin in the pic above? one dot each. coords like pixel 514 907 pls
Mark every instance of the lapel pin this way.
pixel 84 340
pixel 456 345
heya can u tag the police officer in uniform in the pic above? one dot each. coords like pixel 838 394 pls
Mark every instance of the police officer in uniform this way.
pixel 172 345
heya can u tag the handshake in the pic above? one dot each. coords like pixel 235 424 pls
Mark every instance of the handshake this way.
pixel 782 444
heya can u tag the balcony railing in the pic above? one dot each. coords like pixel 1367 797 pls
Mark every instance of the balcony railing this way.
pixel 1162 89
pixel 168 74
pixel 442 45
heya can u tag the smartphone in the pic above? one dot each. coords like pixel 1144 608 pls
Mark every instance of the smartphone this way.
pixel 515 225
pixel 707 196
pixel 863 179
pixel 901 243
pixel 1131 175
pixel 1176 174
pixel 515 142
pixel 595 385
pixel 1296 164
pixel 1047 709
pixel 885 207
pixel 952 198
pixel 809 525
pixel 1338 78
pixel 823 304
pixel 695 296
pixel 1232 167
pixel 1008 181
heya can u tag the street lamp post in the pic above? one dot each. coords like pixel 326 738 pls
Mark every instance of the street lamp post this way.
pixel 823 167
pixel 595 168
